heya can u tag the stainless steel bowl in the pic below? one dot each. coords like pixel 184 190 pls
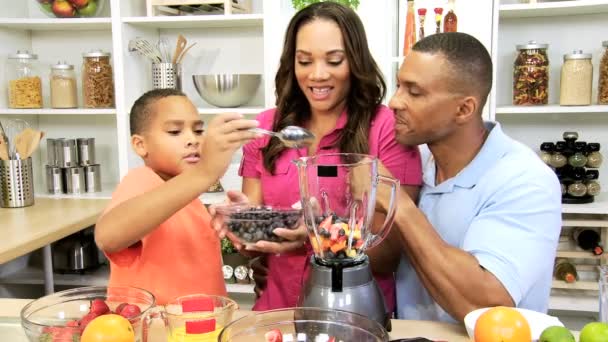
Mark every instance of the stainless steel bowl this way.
pixel 227 90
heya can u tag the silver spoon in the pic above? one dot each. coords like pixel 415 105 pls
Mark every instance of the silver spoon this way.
pixel 290 136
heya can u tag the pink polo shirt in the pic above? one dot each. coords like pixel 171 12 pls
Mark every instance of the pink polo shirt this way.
pixel 286 271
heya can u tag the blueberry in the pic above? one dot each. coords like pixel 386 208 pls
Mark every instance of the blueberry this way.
pixel 341 232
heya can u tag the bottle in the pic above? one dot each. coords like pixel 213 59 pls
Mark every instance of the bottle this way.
pixel 577 188
pixel 594 157
pixel 63 86
pixel 565 270
pixel 588 240
pixel 421 19
pixel 558 159
pixel 546 150
pixel 410 28
pixel 578 158
pixel 593 186
pixel 450 21
pixel 438 13
pixel 576 79
pixel 531 74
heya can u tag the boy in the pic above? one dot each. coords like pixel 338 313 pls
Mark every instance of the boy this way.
pixel 156 232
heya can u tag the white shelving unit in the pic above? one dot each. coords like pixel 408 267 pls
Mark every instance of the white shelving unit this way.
pixel 552 9
pixel 552 109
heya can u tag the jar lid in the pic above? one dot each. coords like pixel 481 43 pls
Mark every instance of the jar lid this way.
pixel 592 174
pixel 593 147
pixel 532 44
pixel 96 53
pixel 570 135
pixel 23 55
pixel 62 66
pixel 547 146
pixel 577 54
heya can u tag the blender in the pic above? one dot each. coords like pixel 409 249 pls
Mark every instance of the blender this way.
pixel 338 196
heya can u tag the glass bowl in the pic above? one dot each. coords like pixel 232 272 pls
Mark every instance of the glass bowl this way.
pixel 49 318
pixel 71 8
pixel 304 324
pixel 250 223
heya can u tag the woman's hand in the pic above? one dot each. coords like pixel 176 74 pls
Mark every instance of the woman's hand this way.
pixel 295 239
pixel 217 221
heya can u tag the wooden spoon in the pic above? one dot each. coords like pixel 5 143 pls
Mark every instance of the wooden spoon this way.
pixel 181 57
pixel 27 141
pixel 3 148
pixel 179 47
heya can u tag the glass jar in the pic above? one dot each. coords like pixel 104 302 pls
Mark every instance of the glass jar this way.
pixel 24 82
pixel 97 80
pixel 546 150
pixel 594 157
pixel 558 159
pixel 602 88
pixel 593 186
pixel 63 86
pixel 577 188
pixel 578 158
pixel 576 79
pixel 531 75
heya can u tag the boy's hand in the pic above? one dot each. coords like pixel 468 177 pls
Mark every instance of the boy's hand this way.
pixel 225 134
pixel 217 222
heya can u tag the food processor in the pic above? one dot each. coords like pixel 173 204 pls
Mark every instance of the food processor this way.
pixel 338 196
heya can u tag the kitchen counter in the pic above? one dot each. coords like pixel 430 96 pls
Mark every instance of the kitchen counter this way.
pixel 24 230
pixel 10 328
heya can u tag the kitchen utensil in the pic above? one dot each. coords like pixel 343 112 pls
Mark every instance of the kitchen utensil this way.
pixel 305 324
pixel 145 48
pixel 55 310
pixel 338 196
pixel 166 75
pixel 3 148
pixel 181 57
pixel 290 136
pixel 16 183
pixel 163 48
pixel 27 142
pixel 13 127
pixel 227 90
pixel 179 47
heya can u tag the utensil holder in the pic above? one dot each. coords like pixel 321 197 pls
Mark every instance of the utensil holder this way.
pixel 166 75
pixel 16 183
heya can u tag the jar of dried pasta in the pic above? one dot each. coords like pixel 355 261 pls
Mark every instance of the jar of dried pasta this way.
pixel 576 79
pixel 24 83
pixel 97 80
pixel 602 89
pixel 531 74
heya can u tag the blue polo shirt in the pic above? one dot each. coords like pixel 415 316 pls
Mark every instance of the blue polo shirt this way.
pixel 504 208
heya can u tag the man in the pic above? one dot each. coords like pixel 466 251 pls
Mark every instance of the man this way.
pixel 488 220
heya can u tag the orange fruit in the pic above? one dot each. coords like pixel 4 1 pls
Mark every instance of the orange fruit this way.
pixel 502 324
pixel 108 328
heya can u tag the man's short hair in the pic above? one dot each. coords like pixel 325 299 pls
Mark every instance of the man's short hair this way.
pixel 142 113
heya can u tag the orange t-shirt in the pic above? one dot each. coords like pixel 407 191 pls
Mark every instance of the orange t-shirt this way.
pixel 181 256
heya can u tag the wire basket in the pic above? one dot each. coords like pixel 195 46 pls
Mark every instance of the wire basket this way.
pixel 16 183
pixel 166 75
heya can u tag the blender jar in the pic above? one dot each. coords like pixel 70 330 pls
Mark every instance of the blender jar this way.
pixel 25 85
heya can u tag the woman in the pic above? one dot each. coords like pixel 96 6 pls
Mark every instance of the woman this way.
pixel 328 82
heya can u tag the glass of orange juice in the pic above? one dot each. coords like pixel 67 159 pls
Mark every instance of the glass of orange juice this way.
pixel 197 317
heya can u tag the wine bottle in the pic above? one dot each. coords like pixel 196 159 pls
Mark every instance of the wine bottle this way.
pixel 565 270
pixel 588 240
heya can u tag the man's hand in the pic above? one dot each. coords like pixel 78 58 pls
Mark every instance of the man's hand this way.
pixel 259 266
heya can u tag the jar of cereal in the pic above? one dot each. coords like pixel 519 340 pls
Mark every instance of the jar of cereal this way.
pixel 24 83
pixel 97 80
pixel 531 75
pixel 602 89
pixel 576 79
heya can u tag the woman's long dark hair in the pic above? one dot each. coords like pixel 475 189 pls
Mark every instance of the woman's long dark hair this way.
pixel 367 87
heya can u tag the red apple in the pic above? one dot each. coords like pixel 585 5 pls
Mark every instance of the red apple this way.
pixel 79 3
pixel 63 9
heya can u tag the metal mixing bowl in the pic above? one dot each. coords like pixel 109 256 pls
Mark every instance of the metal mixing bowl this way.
pixel 227 90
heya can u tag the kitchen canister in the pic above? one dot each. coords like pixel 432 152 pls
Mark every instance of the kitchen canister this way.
pixel 74 180
pixel 93 178
pixel 16 183
pixel 166 75
pixel 54 180
pixel 51 152
pixel 86 151
pixel 66 153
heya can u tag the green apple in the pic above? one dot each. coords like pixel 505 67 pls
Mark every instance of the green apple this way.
pixel 89 10
pixel 556 334
pixel 594 332
pixel 47 7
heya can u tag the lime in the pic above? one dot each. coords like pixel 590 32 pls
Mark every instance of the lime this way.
pixel 594 332
pixel 89 10
pixel 556 334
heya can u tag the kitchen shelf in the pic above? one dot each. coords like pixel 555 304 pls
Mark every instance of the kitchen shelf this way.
pixel 240 288
pixel 50 111
pixel 58 24
pixel 567 302
pixel 577 255
pixel 551 9
pixel 584 223
pixel 551 109
pixel 196 21
pixel 578 285
pixel 242 110
pixel 598 207
pixel 35 276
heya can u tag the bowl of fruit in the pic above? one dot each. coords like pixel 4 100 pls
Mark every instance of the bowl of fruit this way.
pixel 65 315
pixel 249 224
pixel 71 8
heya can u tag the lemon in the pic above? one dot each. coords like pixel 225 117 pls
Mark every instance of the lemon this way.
pixel 594 332
pixel 556 334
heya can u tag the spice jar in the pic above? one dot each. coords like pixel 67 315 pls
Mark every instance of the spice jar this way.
pixel 594 157
pixel 576 79
pixel 593 186
pixel 63 86
pixel 578 158
pixel 577 188
pixel 557 158
pixel 602 88
pixel 97 80
pixel 531 75
pixel 546 150
pixel 25 85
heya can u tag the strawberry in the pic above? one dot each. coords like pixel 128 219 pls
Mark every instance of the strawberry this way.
pixel 84 321
pixel 99 307
pixel 274 335
pixel 120 307
pixel 72 323
pixel 130 311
